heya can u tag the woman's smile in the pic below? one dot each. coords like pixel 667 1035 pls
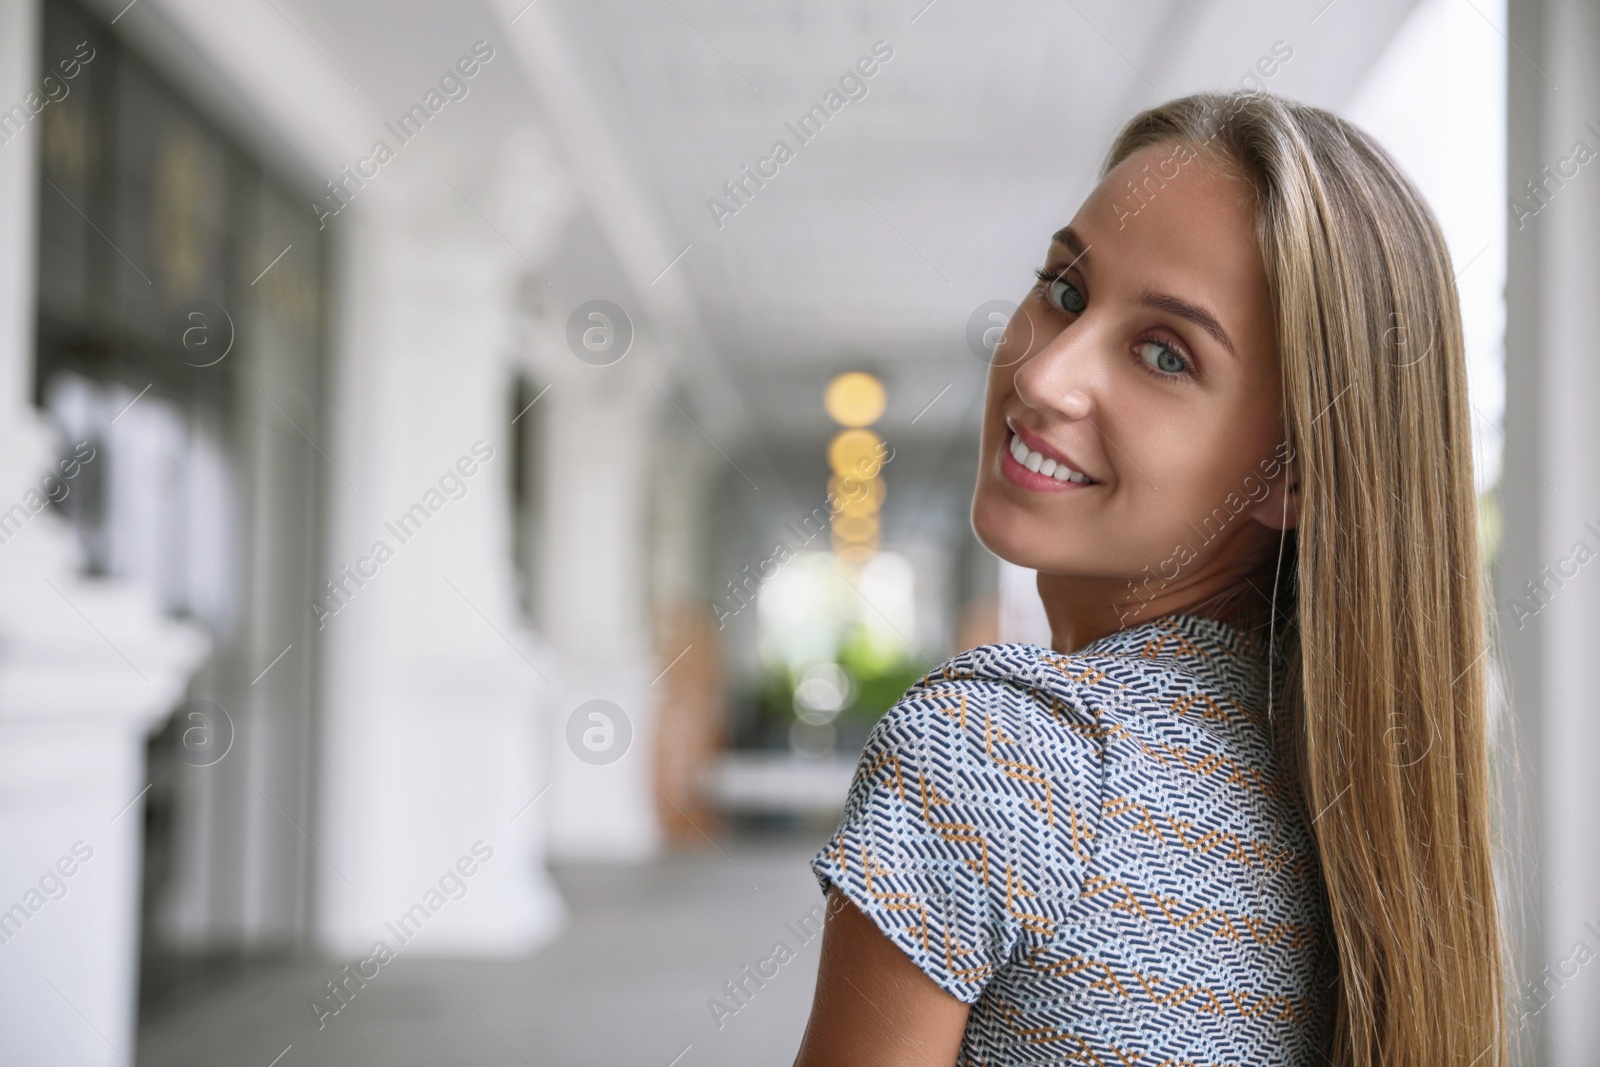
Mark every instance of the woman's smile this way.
pixel 1027 461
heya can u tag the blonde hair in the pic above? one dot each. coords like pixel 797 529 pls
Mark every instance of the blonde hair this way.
pixel 1382 619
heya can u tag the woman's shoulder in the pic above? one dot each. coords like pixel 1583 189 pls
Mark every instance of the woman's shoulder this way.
pixel 1011 686
pixel 1186 650
pixel 1027 696
pixel 978 811
pixel 980 781
pixel 997 719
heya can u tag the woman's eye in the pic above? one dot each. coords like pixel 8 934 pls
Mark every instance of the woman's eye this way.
pixel 1162 358
pixel 1066 296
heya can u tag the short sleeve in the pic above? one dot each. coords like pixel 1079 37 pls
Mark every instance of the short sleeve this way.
pixel 959 819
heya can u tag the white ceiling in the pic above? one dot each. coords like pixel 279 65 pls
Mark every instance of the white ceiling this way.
pixel 873 246
pixel 934 193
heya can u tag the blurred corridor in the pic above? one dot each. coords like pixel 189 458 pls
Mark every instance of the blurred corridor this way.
pixel 472 474
pixel 627 981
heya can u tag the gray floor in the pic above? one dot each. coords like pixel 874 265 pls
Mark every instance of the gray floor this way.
pixel 626 984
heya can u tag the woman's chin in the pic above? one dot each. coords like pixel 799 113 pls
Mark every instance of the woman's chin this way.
pixel 1017 537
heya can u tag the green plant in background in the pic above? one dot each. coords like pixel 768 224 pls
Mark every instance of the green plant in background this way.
pixel 882 672
pixel 881 675
pixel 777 692
pixel 833 650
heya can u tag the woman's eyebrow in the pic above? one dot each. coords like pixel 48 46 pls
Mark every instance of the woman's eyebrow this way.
pixel 1069 238
pixel 1194 313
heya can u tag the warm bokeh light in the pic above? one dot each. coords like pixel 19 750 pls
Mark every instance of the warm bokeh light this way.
pixel 855 399
pixel 855 529
pixel 859 494
pixel 854 452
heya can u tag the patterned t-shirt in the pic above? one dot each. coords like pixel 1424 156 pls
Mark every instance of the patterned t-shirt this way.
pixel 1098 852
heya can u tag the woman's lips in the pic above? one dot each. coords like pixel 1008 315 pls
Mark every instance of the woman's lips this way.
pixel 1018 472
pixel 1031 469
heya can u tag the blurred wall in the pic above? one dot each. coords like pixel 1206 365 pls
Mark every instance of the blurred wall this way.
pixel 1551 496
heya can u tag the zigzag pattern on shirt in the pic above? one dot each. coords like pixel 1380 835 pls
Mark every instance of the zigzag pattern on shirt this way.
pixel 1243 1003
pixel 1271 786
pixel 1262 931
pixel 961 833
pixel 1182 645
pixel 1094 731
pixel 1081 1051
pixel 1106 982
pixel 1015 890
pixel 1016 1021
pixel 1088 673
pixel 1248 851
pixel 959 712
pixel 948 673
pixel 1021 770
pixel 1210 1003
pixel 893 901
pixel 892 761
pixel 1210 707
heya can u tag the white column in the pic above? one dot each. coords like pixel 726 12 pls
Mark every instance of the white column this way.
pixel 435 689
pixel 87 668
pixel 1551 501
pixel 595 607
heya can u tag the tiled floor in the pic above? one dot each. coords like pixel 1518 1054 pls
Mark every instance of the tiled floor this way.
pixel 626 985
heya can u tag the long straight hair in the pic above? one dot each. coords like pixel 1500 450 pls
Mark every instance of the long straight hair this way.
pixel 1381 614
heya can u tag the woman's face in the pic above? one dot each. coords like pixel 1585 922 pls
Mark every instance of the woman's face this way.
pixel 1134 404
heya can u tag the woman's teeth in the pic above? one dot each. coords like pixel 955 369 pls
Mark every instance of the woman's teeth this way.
pixel 1040 464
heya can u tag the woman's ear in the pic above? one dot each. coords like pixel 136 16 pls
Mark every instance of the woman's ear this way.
pixel 1280 508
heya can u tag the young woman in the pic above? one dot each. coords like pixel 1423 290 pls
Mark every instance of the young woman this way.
pixel 1237 813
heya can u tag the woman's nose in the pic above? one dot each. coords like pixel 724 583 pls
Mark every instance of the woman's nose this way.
pixel 1063 377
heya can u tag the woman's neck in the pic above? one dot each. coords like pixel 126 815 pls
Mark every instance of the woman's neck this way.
pixel 1083 610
